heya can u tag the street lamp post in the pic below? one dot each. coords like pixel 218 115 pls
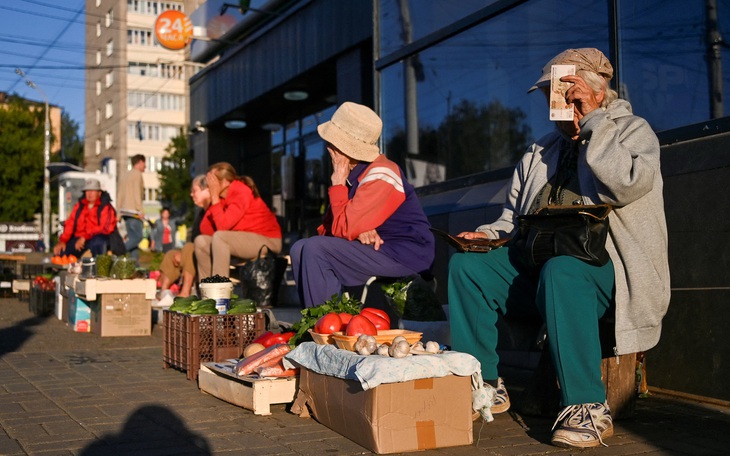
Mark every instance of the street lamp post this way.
pixel 46 159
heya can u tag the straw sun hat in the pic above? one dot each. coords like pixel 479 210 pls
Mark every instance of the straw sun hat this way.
pixel 354 130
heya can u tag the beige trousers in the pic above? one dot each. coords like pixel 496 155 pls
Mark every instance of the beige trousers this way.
pixel 214 253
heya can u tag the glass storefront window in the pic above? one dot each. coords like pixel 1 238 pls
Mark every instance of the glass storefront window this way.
pixel 664 67
pixel 460 106
pixel 409 20
pixel 471 111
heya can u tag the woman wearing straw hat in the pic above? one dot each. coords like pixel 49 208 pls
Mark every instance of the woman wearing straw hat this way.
pixel 374 226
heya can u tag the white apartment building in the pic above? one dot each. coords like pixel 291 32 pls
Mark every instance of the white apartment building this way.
pixel 136 90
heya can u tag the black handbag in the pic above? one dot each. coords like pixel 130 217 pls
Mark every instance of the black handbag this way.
pixel 116 243
pixel 261 277
pixel 579 231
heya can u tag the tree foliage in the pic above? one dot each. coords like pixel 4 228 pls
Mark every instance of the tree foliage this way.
pixel 22 132
pixel 72 145
pixel 175 179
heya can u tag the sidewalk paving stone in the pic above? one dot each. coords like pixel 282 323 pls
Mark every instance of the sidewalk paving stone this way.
pixel 67 393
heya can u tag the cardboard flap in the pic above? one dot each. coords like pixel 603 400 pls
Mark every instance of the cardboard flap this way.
pixel 300 404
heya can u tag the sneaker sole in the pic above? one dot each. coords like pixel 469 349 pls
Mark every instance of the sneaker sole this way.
pixel 564 442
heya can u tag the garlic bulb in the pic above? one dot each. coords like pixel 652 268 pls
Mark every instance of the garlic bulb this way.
pixel 432 347
pixel 399 349
pixel 366 345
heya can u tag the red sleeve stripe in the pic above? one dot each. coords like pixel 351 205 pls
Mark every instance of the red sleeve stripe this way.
pixel 384 174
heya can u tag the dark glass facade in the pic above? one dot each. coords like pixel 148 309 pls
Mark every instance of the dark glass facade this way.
pixel 454 75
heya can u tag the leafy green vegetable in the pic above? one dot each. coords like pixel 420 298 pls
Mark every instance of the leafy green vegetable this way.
pixel 398 292
pixel 414 299
pixel 310 315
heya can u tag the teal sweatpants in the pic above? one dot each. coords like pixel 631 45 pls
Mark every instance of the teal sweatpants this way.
pixel 569 294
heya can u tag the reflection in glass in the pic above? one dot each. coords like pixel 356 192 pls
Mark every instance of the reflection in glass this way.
pixel 473 112
pixel 421 17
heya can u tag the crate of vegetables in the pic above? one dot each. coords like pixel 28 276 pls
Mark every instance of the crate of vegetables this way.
pixel 42 299
pixel 189 340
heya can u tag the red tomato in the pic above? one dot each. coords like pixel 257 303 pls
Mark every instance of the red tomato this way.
pixel 345 317
pixel 381 313
pixel 328 324
pixel 380 323
pixel 360 325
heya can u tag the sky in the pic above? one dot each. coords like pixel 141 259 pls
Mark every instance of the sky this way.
pixel 45 39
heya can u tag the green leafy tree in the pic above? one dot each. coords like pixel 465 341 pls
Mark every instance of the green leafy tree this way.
pixel 175 179
pixel 21 160
pixel 72 145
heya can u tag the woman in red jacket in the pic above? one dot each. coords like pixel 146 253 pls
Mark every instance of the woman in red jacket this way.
pixel 237 223
pixel 90 223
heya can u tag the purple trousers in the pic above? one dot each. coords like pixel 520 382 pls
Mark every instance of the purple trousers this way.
pixel 322 265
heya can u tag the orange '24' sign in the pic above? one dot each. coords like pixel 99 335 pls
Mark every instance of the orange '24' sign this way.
pixel 173 29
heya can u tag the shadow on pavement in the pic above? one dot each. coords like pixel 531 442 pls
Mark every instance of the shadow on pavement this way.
pixel 13 337
pixel 150 429
pixel 659 425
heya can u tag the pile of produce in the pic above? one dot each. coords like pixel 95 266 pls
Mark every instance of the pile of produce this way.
pixel 215 279
pixel 267 362
pixel 44 283
pixel 123 268
pixel 337 304
pixel 64 260
pixel 104 265
pixel 193 305
pixel 241 306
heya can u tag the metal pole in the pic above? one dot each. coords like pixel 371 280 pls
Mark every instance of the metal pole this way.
pixel 47 182
pixel 714 59
pixel 46 222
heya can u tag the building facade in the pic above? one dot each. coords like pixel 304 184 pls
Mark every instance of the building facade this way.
pixel 450 80
pixel 136 90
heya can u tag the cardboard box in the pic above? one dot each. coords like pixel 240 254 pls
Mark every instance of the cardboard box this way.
pixel 79 313
pixel 90 288
pixel 121 314
pixel 393 417
pixel 250 392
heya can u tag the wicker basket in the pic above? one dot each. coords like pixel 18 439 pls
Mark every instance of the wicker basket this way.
pixel 321 339
pixel 189 340
pixel 385 336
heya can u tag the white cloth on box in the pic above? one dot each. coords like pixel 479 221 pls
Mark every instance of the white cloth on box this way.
pixel 374 370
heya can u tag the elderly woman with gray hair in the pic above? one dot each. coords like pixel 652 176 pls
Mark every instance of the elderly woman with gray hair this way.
pixel 604 155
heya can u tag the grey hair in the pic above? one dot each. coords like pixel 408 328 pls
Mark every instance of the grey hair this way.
pixel 200 181
pixel 599 83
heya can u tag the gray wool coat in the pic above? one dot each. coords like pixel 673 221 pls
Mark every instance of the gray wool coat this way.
pixel 618 164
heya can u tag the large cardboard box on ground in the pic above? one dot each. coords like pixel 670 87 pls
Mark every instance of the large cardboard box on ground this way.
pixel 250 392
pixel 121 314
pixel 393 417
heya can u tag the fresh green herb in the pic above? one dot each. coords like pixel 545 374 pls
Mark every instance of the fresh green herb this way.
pixel 398 292
pixel 310 315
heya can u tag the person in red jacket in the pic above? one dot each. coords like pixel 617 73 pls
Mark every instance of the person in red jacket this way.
pixel 89 224
pixel 237 223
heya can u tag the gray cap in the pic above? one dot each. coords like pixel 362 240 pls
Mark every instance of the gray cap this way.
pixel 92 184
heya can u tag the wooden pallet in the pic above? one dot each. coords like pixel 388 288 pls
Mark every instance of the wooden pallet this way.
pixel 250 392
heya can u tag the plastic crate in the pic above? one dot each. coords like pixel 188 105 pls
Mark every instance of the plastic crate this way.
pixel 42 302
pixel 30 271
pixel 189 340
